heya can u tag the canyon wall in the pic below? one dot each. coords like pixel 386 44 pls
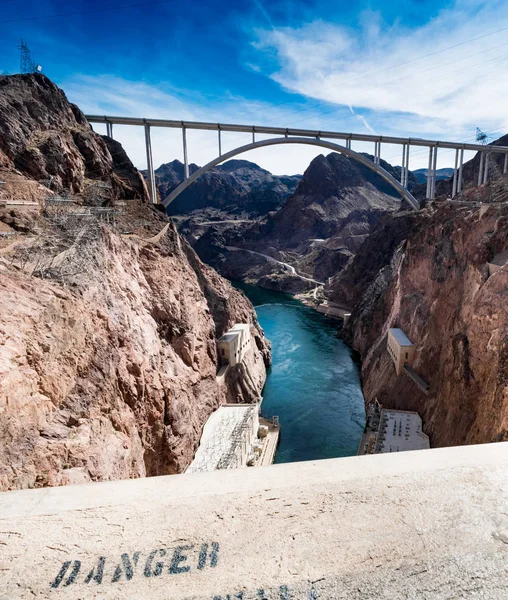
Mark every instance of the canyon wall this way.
pixel 427 273
pixel 108 326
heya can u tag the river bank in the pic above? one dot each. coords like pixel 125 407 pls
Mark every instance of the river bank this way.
pixel 314 383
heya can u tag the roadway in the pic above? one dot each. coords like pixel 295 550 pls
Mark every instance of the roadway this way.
pixel 279 262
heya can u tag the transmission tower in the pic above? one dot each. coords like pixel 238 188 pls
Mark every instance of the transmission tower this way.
pixel 481 136
pixel 27 64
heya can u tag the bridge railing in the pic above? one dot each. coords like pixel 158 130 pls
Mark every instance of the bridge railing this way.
pixel 288 132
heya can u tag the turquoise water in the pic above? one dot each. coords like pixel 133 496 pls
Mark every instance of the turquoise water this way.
pixel 313 385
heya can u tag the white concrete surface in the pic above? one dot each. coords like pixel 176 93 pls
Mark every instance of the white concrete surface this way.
pixel 422 525
pixel 227 438
pixel 400 431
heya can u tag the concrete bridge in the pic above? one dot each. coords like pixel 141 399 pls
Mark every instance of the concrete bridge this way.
pixel 315 138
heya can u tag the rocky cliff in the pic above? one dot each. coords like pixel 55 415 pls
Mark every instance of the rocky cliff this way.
pixel 427 273
pixel 108 319
pixel 237 187
pixel 334 208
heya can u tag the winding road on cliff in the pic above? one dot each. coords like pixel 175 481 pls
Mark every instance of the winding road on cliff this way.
pixel 270 258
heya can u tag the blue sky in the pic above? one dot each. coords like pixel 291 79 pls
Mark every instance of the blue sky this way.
pixel 406 67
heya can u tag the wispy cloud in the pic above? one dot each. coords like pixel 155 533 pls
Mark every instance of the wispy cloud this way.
pixel 362 119
pixel 401 72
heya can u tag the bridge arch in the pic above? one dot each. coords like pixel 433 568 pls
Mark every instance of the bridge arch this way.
pixel 296 140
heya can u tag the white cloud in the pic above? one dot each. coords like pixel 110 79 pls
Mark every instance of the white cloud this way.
pixel 401 73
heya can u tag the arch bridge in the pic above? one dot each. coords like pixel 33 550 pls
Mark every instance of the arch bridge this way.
pixel 311 137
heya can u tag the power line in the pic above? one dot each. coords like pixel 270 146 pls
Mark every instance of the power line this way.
pixel 407 62
pixel 322 102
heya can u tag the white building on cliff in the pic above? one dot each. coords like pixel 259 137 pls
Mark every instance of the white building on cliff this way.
pixel 234 344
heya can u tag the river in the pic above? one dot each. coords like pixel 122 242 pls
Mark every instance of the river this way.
pixel 313 385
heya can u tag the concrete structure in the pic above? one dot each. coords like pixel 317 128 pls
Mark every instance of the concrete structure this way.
pixel 400 431
pixel 400 348
pixel 270 441
pixel 334 310
pixel 388 430
pixel 313 137
pixel 244 330
pixel 415 378
pixel 228 438
pixel 498 262
pixel 234 344
pixel 416 525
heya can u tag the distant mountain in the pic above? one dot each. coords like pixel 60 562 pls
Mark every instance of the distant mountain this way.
pixel 421 174
pixel 335 207
pixel 237 187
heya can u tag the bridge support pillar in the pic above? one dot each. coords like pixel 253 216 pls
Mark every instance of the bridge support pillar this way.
pixel 406 169
pixel 149 165
pixel 486 169
pixel 480 170
pixel 429 172
pixel 403 168
pixel 220 145
pixel 461 162
pixel 505 166
pixel 109 129
pixel 185 159
pixel 377 153
pixel 434 169
pixel 454 186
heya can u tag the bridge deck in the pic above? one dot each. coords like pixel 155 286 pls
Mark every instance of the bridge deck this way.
pixel 290 131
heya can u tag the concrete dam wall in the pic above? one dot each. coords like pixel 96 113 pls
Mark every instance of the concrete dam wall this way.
pixel 425 524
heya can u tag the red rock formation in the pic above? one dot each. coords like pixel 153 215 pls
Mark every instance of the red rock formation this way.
pixel 431 280
pixel 108 355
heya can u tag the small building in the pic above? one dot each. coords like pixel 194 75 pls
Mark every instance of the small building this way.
pixel 400 348
pixel 234 344
pixel 244 329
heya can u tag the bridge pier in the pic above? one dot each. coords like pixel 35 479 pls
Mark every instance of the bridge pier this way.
pixel 220 145
pixel 402 169
pixel 377 153
pixel 429 170
pixel 185 159
pixel 109 129
pixel 505 166
pixel 454 186
pixel 149 165
pixel 405 167
pixel 459 182
pixel 480 170
pixel 486 168
pixel 431 173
